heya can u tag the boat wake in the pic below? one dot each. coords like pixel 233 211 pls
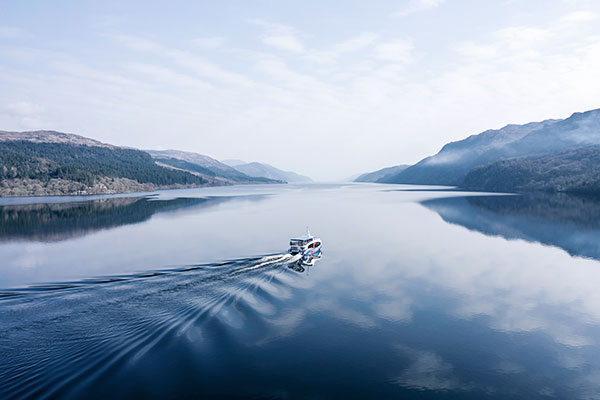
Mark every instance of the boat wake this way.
pixel 61 339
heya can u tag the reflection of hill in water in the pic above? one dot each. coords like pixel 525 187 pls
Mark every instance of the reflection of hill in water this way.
pixel 50 222
pixel 566 221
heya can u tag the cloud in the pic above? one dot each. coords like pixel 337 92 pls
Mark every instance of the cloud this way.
pixel 26 114
pixel 137 43
pixel 355 43
pixel 414 6
pixel 522 37
pixel 285 42
pixel 349 46
pixel 186 59
pixel 209 42
pixel 24 108
pixel 476 51
pixel 578 17
pixel 169 77
pixel 399 50
pixel 11 32
pixel 409 90
pixel 280 36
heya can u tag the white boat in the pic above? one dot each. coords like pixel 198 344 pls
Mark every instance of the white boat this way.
pixel 309 247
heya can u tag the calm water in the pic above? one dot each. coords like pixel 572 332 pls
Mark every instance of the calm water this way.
pixel 420 294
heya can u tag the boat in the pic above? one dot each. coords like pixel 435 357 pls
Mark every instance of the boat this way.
pixel 308 247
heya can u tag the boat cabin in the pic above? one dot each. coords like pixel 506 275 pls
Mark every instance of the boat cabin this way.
pixel 301 242
pixel 297 245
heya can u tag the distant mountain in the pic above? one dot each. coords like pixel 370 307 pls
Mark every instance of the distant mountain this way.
pixel 452 164
pixel 234 162
pixel 381 173
pixel 54 163
pixel 213 170
pixel 351 178
pixel 257 169
pixel 575 171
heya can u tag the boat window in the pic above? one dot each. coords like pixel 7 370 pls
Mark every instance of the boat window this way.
pixel 317 244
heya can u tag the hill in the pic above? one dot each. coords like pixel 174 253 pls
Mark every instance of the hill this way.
pixel 574 171
pixel 455 160
pixel 233 162
pixel 41 163
pixel 51 137
pixel 256 169
pixel 208 168
pixel 380 174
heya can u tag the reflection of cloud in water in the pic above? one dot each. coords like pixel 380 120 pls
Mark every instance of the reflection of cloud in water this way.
pixel 394 310
pixel 428 371
pixel 512 287
pixel 509 367
pixel 544 291
pixel 414 279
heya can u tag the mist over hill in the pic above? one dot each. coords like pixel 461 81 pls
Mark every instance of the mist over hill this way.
pixel 262 170
pixel 381 174
pixel 516 158
pixel 209 168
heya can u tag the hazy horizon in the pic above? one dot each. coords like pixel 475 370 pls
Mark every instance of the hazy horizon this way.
pixel 320 89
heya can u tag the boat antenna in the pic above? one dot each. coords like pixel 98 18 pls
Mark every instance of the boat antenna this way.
pixel 307 232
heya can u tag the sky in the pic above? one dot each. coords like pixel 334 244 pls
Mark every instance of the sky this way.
pixel 324 88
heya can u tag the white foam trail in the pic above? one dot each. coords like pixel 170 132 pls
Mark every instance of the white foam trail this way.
pixel 268 260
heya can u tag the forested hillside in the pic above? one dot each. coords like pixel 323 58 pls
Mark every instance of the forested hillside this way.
pixel 66 168
pixel 574 171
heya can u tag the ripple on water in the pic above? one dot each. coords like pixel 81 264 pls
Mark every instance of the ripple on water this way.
pixel 73 334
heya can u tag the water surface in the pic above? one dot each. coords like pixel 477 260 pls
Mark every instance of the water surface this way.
pixel 419 294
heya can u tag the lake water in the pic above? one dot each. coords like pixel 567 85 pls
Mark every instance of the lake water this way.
pixel 421 293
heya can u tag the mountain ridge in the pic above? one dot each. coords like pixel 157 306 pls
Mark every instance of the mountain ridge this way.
pixel 50 136
pixel 451 165
pixel 258 169
pixel 221 173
